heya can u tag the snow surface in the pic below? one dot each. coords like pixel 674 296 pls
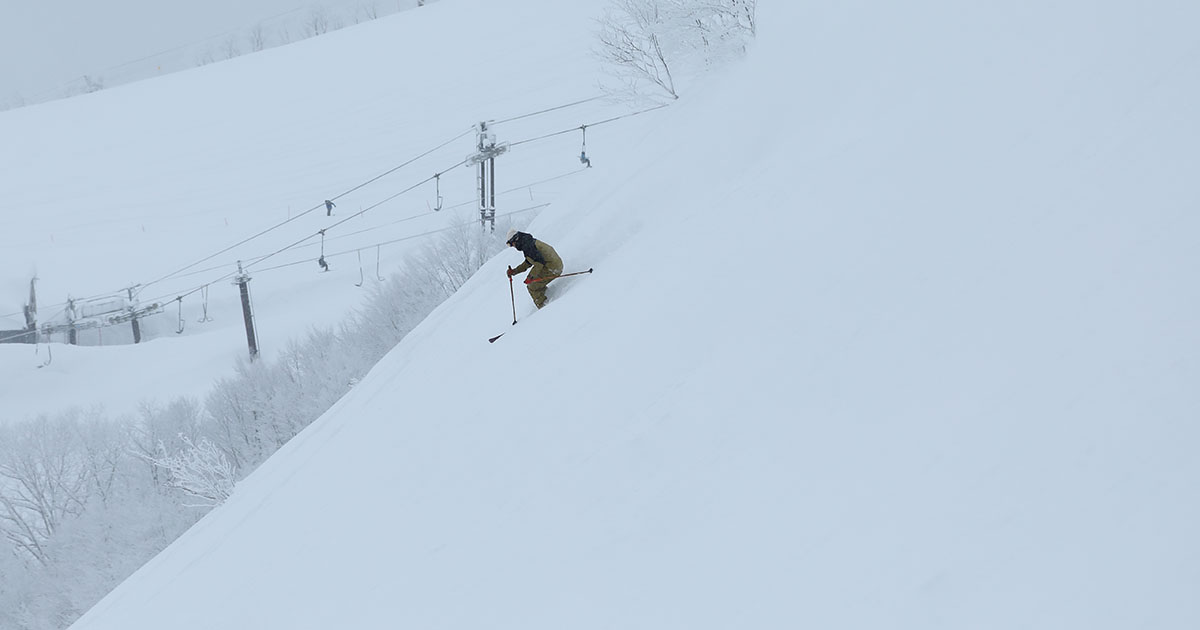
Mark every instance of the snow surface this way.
pixel 893 325
pixel 127 186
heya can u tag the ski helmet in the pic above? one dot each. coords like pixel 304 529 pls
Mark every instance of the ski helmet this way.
pixel 511 237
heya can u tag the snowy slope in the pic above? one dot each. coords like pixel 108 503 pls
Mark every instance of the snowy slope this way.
pixel 145 184
pixel 892 327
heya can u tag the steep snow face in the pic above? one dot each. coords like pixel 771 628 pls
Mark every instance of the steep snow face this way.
pixel 891 326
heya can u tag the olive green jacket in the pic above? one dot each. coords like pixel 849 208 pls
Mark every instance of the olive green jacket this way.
pixel 541 272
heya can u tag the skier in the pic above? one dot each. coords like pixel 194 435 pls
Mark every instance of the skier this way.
pixel 545 263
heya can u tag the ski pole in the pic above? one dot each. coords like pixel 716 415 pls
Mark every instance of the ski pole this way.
pixel 563 275
pixel 512 295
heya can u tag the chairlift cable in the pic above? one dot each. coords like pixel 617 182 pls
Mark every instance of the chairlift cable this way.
pixel 310 210
pixel 547 110
pixel 436 177
pixel 402 239
pixel 353 216
pixel 594 124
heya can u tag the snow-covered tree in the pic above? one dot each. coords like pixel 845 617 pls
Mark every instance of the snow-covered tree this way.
pixel 163 426
pixel 319 22
pixel 365 12
pixel 92 84
pixel 91 499
pixel 258 37
pixel 230 48
pixel 657 42
pixel 200 470
pixel 453 257
pixel 43 481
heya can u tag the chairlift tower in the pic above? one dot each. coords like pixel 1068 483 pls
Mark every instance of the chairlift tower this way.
pixel 242 280
pixel 487 149
pixel 29 334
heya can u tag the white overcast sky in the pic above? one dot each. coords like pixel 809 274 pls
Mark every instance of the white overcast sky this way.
pixel 45 45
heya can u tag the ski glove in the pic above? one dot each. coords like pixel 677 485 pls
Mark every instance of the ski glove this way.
pixel 510 272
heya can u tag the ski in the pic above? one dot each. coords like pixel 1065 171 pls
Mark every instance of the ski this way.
pixel 577 273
